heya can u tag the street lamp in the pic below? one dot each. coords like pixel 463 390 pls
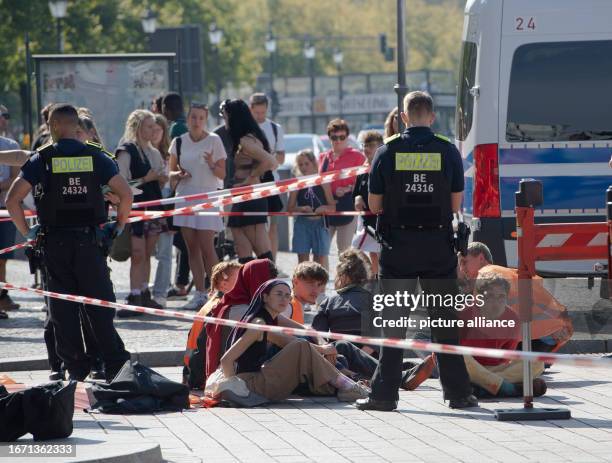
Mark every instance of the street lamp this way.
pixel 149 24
pixel 59 10
pixel 215 35
pixel 149 21
pixel 309 54
pixel 271 49
pixel 338 58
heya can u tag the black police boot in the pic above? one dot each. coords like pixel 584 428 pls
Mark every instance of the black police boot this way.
pixel 464 402
pixel 132 299
pixel 373 404
pixel 97 370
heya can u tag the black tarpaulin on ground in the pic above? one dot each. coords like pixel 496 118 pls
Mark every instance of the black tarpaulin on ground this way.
pixel 139 389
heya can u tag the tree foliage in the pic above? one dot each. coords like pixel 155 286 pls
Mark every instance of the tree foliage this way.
pixel 113 26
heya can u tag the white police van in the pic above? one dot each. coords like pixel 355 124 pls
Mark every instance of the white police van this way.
pixel 535 101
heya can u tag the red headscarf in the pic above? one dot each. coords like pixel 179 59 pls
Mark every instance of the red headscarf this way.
pixel 250 277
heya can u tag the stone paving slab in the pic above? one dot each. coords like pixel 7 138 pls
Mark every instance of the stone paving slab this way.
pixel 423 429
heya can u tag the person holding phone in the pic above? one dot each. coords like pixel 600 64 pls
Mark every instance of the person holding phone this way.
pixel 197 162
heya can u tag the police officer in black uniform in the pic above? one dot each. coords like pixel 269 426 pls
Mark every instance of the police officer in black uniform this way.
pixel 416 183
pixel 67 178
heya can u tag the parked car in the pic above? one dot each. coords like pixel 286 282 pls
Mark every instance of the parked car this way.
pixel 296 142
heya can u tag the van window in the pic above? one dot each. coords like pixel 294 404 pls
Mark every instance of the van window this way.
pixel 465 101
pixel 560 92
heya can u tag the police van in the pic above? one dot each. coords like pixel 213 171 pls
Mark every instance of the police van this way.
pixel 535 101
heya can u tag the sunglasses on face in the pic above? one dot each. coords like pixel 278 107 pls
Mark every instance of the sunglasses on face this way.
pixel 5 115
pixel 337 137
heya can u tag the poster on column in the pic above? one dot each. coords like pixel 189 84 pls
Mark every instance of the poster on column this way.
pixel 111 86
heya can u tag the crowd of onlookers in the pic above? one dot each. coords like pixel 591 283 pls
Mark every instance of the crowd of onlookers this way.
pixel 167 151
pixel 170 151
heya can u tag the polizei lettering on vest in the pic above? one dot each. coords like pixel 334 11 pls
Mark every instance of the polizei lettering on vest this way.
pixel 72 164
pixel 418 161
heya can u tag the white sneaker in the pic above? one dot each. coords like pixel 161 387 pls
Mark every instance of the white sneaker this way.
pixel 160 300
pixel 197 301
pixel 358 391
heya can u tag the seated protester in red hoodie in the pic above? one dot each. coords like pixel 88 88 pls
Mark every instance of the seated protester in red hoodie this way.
pixel 495 325
pixel 222 280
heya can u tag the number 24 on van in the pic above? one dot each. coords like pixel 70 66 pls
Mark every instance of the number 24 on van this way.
pixel 523 24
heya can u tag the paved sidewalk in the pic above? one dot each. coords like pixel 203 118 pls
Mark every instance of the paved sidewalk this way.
pixel 322 429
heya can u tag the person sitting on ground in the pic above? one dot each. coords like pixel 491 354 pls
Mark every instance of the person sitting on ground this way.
pixel 223 278
pixel 551 327
pixel 342 313
pixel 298 360
pixel 233 305
pixel 308 283
pixel 495 377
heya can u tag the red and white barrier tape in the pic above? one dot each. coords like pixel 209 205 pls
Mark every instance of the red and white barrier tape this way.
pixel 258 193
pixel 17 246
pixel 256 214
pixel 239 190
pixel 388 342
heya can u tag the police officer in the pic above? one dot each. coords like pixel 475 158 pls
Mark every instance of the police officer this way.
pixel 416 183
pixel 66 177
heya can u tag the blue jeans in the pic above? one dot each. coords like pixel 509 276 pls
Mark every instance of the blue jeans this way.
pixel 164 265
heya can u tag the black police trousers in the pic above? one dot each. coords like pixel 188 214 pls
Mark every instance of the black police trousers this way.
pixel 426 256
pixel 74 264
pixel 91 348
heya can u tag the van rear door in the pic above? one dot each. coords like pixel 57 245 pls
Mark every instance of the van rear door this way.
pixel 555 125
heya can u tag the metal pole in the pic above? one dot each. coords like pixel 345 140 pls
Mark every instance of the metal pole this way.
pixel 312 94
pixel 28 89
pixel 400 88
pixel 179 63
pixel 217 82
pixel 340 91
pixel 60 42
pixel 272 106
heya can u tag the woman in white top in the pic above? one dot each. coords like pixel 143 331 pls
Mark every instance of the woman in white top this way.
pixel 199 167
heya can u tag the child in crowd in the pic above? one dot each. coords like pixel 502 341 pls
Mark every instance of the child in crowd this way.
pixel 223 278
pixel 364 239
pixel 310 233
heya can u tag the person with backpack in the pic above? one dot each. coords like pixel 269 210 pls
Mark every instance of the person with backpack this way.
pixel 197 162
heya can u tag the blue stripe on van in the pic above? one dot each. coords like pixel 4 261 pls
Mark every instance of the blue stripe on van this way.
pixel 556 155
pixel 561 192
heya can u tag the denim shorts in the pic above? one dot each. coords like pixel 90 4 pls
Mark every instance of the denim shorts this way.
pixel 310 235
